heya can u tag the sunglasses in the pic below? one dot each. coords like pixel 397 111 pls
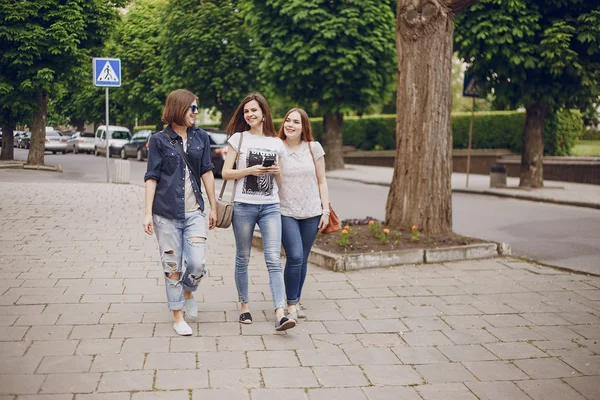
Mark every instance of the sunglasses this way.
pixel 194 108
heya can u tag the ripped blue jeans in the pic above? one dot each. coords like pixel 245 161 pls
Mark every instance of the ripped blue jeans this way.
pixel 177 250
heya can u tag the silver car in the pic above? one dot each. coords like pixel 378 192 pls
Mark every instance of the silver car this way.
pixel 55 142
pixel 81 142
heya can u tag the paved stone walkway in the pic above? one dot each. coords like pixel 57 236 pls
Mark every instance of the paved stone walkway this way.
pixel 83 317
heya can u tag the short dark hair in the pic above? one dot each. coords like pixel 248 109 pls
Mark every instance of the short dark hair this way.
pixel 239 124
pixel 177 105
pixel 307 135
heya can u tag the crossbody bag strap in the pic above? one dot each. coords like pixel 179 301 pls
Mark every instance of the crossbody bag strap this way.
pixel 175 144
pixel 237 165
pixel 312 157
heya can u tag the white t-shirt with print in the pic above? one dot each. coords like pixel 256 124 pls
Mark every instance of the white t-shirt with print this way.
pixel 257 189
pixel 299 192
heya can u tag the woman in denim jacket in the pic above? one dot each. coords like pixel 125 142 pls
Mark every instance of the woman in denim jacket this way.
pixel 174 205
pixel 256 199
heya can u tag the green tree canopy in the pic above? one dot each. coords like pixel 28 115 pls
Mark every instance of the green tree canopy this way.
pixel 339 55
pixel 42 43
pixel 542 54
pixel 207 50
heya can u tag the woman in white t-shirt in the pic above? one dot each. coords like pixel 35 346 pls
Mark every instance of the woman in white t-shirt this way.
pixel 256 199
pixel 304 200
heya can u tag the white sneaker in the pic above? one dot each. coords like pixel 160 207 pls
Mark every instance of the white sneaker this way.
pixel 190 307
pixel 182 328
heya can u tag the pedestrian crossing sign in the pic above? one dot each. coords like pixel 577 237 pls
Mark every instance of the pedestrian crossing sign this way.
pixel 470 87
pixel 107 72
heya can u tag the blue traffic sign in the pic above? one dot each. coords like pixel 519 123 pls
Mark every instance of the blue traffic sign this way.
pixel 107 71
pixel 470 87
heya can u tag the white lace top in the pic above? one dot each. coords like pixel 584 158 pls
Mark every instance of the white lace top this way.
pixel 299 192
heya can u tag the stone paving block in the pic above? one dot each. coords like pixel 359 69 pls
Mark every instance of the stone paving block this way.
pixel 340 376
pixel 99 346
pixel 514 350
pixel 337 393
pixel 325 315
pixel 425 324
pixel 117 362
pixel 18 365
pixel 181 379
pixel 375 340
pixel 373 356
pixel 445 391
pixel 8 320
pixel 392 375
pixel 417 311
pixel 506 320
pixel 37 319
pixel 549 390
pixel 20 384
pixel 322 357
pixel 126 381
pixel 514 334
pixel 294 341
pixel 587 331
pixel 14 349
pixel 383 326
pixel 222 360
pixel 470 336
pixel 444 373
pixel 91 332
pixel 170 361
pixel 587 365
pixel 145 345
pixel 180 344
pixel 294 377
pixel 258 328
pixel 589 386
pixel 471 352
pixel 391 392
pixel 277 394
pixel 259 359
pixel 580 318
pixel 48 332
pixel 64 364
pixel 556 332
pixel 309 328
pixel 420 355
pixel 235 378
pixel 240 343
pixel 117 318
pixel 495 371
pixel 76 309
pixel 344 327
pixel 220 394
pixel 221 329
pixel 497 391
pixel 545 319
pixel 79 319
pixel 70 383
pixel 46 396
pixel 52 348
pixel 132 331
pixel 546 368
pixel 170 395
pixel 426 339
pixel 8 333
pixel 466 322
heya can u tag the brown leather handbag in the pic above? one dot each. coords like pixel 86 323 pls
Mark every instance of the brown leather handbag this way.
pixel 225 208
pixel 334 221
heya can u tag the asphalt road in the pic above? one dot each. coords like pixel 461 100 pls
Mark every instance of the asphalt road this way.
pixel 557 235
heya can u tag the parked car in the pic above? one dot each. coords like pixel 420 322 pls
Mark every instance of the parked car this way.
pixel 138 146
pixel 55 142
pixel 117 137
pixel 81 142
pixel 24 141
pixel 218 149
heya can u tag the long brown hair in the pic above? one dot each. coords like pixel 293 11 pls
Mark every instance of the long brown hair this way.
pixel 307 135
pixel 177 105
pixel 239 124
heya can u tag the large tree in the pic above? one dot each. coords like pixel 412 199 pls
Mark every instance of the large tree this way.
pixel 207 49
pixel 420 191
pixel 42 43
pixel 542 54
pixel 337 54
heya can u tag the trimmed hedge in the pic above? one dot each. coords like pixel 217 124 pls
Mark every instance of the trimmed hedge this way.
pixel 491 130
pixel 153 127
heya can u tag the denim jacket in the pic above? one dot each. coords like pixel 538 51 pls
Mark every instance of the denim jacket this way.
pixel 167 167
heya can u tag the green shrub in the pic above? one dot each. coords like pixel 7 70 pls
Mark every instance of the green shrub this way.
pixel 591 134
pixel 153 127
pixel 491 130
pixel 561 130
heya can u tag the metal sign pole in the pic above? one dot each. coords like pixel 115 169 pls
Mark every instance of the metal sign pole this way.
pixel 470 140
pixel 107 144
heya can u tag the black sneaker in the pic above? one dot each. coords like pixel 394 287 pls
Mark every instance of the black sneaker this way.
pixel 284 324
pixel 246 318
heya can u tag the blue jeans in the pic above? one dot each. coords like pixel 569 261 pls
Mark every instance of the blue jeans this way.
pixel 176 249
pixel 298 237
pixel 268 218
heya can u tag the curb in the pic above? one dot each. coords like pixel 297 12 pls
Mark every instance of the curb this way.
pixel 352 262
pixel 595 206
pixel 22 165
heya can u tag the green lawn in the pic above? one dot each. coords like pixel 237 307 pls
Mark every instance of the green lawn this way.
pixel 586 148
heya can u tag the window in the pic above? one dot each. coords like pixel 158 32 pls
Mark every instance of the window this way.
pixel 121 135
pixel 87 134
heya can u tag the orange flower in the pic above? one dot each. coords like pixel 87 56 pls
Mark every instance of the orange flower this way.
pixel 386 231
pixel 371 222
pixel 414 228
pixel 345 231
pixel 346 227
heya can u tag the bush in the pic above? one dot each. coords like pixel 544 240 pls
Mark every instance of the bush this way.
pixel 153 127
pixel 561 130
pixel 591 134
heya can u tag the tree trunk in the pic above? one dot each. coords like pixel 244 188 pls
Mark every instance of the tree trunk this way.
pixel 532 148
pixel 38 131
pixel 332 140
pixel 8 142
pixel 226 115
pixel 420 193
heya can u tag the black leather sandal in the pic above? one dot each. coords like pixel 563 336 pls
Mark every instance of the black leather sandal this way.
pixel 245 318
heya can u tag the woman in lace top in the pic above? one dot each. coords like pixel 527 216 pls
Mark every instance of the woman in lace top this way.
pixel 304 201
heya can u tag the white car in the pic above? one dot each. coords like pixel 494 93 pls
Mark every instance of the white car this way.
pixel 81 142
pixel 117 137
pixel 55 142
